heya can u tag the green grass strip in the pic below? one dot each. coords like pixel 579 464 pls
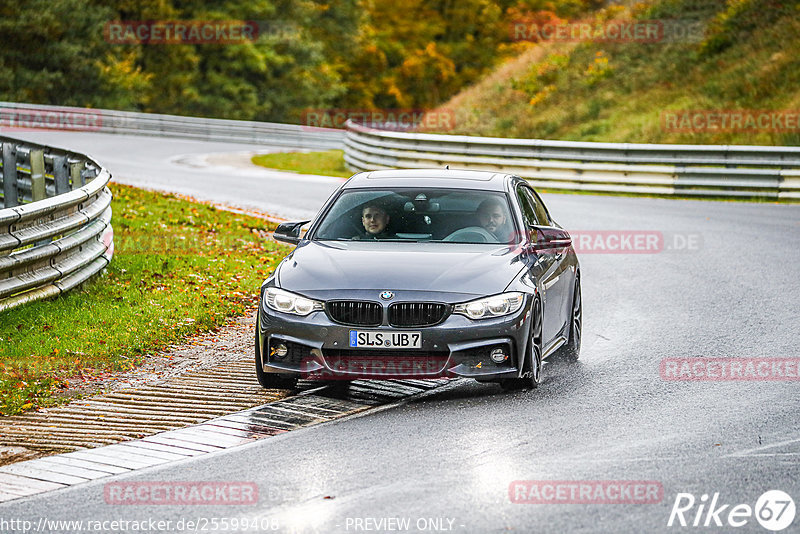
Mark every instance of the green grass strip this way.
pixel 179 268
pixel 328 163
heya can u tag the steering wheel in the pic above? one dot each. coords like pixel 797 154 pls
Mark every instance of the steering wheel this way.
pixel 472 234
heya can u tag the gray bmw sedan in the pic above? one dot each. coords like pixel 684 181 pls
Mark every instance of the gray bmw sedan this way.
pixel 422 274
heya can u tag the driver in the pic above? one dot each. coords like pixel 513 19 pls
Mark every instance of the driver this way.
pixel 492 217
pixel 375 220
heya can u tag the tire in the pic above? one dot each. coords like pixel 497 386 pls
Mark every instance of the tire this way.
pixel 533 355
pixel 271 380
pixel 338 387
pixel 570 351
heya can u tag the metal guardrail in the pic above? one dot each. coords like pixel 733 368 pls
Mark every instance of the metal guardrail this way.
pixel 686 170
pixel 55 224
pixel 25 116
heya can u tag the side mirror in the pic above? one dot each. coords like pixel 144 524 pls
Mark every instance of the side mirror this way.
pixel 549 239
pixel 289 232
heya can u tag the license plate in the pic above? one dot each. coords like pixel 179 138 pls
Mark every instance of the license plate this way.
pixel 386 340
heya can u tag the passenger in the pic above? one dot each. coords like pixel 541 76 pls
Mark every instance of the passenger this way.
pixel 376 221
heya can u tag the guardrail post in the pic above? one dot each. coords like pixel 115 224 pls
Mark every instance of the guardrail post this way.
pixel 38 191
pixel 61 174
pixel 10 192
pixel 76 174
pixel 87 175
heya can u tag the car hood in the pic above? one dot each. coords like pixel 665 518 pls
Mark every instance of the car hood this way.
pixel 323 269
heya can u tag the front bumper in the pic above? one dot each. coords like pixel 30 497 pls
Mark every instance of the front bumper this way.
pixel 318 347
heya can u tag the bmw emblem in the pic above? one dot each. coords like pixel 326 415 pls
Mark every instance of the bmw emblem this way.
pixel 387 295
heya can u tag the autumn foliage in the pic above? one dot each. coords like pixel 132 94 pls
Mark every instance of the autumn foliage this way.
pixel 367 54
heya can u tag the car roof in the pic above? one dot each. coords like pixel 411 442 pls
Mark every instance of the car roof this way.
pixel 445 178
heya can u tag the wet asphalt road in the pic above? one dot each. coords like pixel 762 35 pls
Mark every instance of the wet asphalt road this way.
pixel 450 455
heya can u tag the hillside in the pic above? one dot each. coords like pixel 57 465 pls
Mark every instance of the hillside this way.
pixel 744 57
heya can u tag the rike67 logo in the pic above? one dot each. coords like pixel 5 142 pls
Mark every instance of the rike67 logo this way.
pixel 774 510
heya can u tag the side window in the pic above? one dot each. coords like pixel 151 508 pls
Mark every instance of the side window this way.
pixel 532 207
pixel 526 206
pixel 538 206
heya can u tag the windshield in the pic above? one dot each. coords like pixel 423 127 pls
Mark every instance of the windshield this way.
pixel 430 215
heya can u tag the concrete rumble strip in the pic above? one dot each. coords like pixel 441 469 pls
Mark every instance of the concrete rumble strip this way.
pixel 314 406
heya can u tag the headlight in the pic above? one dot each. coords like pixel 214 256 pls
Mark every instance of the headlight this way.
pixel 488 307
pixel 283 301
